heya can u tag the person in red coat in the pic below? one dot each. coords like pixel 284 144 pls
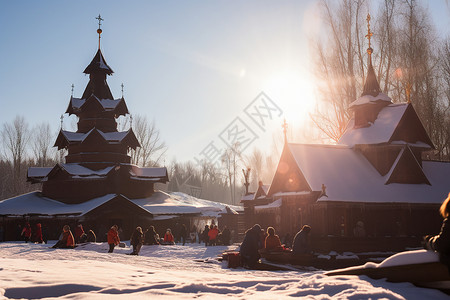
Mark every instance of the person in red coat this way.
pixel 272 242
pixel 113 238
pixel 26 233
pixel 212 234
pixel 79 233
pixel 168 238
pixel 38 233
pixel 67 240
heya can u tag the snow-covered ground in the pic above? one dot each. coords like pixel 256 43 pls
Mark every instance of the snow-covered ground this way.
pixel 35 271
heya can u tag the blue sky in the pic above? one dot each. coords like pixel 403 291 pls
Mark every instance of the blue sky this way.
pixel 191 66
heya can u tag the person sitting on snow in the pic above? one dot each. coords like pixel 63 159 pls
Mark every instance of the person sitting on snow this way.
pixel 301 244
pixel 272 242
pixel 67 240
pixel 168 238
pixel 441 242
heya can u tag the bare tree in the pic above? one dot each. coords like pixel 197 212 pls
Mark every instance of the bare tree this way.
pixel 15 138
pixel 152 148
pixel 41 143
pixel 339 64
pixel 230 160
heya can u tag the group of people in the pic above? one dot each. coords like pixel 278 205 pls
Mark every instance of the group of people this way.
pixel 68 240
pixel 257 238
pixel 32 235
pixel 212 236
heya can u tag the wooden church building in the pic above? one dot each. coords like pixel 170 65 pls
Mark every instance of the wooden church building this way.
pixel 372 187
pixel 97 185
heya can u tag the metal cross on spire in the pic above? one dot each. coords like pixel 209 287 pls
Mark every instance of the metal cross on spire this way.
pixel 72 88
pixel 62 121
pixel 99 30
pixel 122 88
pixel 369 35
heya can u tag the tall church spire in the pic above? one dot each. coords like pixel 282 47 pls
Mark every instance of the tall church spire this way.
pixel 97 70
pixel 371 86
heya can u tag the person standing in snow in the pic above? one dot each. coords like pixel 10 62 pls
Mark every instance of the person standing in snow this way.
pixel 26 233
pixel 441 242
pixel 136 240
pixel 67 240
pixel 225 236
pixel 205 236
pixel 113 238
pixel 212 234
pixel 301 244
pixel 250 246
pixel 38 234
pixel 183 233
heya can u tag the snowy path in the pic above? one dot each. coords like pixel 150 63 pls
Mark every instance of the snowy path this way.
pixel 88 272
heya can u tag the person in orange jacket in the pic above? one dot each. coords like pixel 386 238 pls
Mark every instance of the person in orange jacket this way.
pixel 168 238
pixel 67 240
pixel 212 234
pixel 113 238
pixel 272 240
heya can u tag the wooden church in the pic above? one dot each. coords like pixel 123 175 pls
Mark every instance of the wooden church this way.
pixel 371 191
pixel 97 182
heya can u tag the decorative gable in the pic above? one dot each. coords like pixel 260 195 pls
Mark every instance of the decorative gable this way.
pixel 406 169
pixel 288 177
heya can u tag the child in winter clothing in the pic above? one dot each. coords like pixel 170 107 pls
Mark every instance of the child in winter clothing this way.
pixel 113 238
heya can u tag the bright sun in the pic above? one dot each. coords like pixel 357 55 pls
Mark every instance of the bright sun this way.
pixel 293 91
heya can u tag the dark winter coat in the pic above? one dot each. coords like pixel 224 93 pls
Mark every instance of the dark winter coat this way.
pixel 137 238
pixel 226 236
pixel 301 243
pixel 441 243
pixel 151 238
pixel 250 246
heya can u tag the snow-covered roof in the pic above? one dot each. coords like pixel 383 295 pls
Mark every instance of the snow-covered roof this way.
pixel 108 136
pixel 74 169
pixel 349 176
pixel 148 172
pixel 369 99
pixel 379 132
pixel 158 204
pixel 161 203
pixel 274 205
pixel 35 203
pixel 37 172
pixel 108 104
